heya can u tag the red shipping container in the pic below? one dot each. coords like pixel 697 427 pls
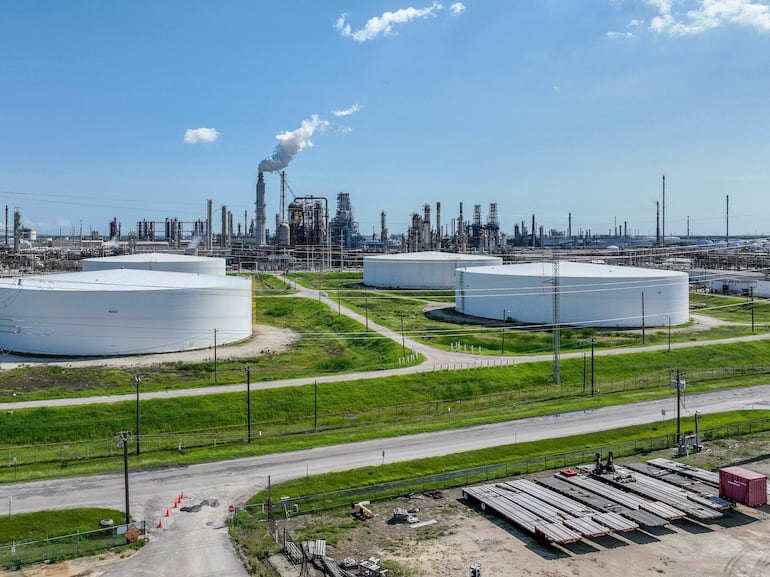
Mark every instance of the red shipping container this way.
pixel 743 486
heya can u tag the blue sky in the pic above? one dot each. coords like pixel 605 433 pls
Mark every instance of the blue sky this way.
pixel 549 107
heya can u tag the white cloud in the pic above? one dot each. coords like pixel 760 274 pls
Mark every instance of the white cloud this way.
pixel 708 14
pixel 347 111
pixel 634 23
pixel 343 28
pixel 197 135
pixel 620 35
pixel 384 25
pixel 457 8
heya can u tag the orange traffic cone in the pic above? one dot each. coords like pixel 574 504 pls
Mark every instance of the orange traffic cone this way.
pixel 176 504
pixel 160 523
pixel 167 513
pixel 181 495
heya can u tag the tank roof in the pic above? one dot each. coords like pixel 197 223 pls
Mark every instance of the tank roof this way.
pixel 124 280
pixel 432 256
pixel 577 269
pixel 151 257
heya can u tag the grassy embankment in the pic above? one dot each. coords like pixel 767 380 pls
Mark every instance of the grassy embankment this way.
pixel 391 307
pixel 301 417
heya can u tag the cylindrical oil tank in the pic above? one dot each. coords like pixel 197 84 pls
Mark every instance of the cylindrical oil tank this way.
pixel 160 261
pixel 420 270
pixel 122 312
pixel 592 295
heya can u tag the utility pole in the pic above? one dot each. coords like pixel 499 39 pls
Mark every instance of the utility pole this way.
pixel 556 331
pixel 138 380
pixel 215 355
pixel 502 341
pixel 643 335
pixel 664 209
pixel 678 409
pixel 403 340
pixel 248 404
pixel 679 383
pixel 123 436
pixel 592 367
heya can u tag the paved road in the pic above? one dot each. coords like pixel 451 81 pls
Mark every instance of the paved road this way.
pixel 195 544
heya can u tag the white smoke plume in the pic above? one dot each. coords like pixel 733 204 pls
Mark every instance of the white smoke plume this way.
pixel 291 142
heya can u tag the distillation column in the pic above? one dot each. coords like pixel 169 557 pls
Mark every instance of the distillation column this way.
pixel 260 221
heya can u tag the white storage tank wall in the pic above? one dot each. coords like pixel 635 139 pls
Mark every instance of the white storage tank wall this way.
pixel 589 294
pixel 420 270
pixel 122 312
pixel 159 261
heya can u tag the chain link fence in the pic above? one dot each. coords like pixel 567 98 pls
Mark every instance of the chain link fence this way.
pixel 82 544
pixel 18 456
pixel 287 506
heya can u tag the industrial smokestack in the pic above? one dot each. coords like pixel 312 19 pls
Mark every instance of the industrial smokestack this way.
pixel 209 222
pixel 533 231
pixel 438 225
pixel 657 223
pixel 16 230
pixel 290 143
pixel 224 226
pixel 383 232
pixel 569 226
pixel 260 220
pixel 664 208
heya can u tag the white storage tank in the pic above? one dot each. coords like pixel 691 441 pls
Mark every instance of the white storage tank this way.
pixel 589 294
pixel 158 261
pixel 420 270
pixel 122 312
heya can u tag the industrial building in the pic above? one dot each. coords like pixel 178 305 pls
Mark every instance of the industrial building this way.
pixel 587 294
pixel 420 270
pixel 122 312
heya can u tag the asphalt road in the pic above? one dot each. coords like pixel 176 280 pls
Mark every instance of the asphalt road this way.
pixel 196 544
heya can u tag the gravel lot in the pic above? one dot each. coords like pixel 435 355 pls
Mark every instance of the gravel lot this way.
pixel 737 546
